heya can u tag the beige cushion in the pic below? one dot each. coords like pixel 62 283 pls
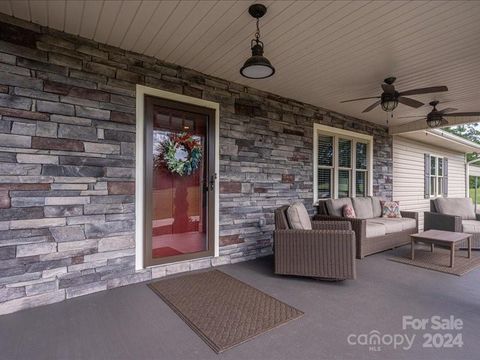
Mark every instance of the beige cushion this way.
pixel 363 207
pixel 335 206
pixel 376 206
pixel 392 225
pixel 471 226
pixel 298 217
pixel 462 207
pixel 374 229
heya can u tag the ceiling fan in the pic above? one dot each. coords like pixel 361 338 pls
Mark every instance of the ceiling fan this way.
pixel 390 97
pixel 436 117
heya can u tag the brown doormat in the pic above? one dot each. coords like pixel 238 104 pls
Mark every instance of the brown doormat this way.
pixel 439 260
pixel 222 310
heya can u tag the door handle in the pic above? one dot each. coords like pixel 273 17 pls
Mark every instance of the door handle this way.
pixel 212 181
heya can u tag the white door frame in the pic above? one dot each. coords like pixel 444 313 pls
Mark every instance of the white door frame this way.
pixel 142 91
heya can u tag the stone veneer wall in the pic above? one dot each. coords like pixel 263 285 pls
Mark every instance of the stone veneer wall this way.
pixel 67 164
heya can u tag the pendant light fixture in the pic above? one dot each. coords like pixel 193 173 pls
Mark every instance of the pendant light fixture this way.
pixel 257 66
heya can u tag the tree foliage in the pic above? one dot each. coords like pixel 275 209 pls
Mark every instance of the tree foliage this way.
pixel 470 132
pixel 467 131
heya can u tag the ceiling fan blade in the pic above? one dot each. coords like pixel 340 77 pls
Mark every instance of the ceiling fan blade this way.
pixel 444 122
pixel 427 90
pixel 412 117
pixel 371 107
pixel 410 102
pixel 463 114
pixel 365 98
pixel 388 88
pixel 447 110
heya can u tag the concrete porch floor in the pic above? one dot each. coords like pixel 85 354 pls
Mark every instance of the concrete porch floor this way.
pixel 133 323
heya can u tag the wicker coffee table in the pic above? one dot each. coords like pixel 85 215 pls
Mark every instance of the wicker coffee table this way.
pixel 444 238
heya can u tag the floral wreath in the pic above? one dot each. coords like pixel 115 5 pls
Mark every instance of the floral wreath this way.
pixel 170 156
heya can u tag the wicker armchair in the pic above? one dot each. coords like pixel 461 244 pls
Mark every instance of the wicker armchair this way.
pixel 434 219
pixel 327 251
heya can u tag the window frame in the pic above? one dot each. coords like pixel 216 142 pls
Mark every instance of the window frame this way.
pixel 436 177
pixel 355 138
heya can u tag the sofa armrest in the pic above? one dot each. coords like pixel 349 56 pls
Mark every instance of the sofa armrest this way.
pixel 328 218
pixel 358 225
pixel 442 222
pixel 331 225
pixel 409 214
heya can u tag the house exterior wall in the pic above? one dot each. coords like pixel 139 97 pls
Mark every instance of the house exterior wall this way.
pixel 408 174
pixel 67 143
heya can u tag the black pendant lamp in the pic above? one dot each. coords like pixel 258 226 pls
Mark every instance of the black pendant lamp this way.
pixel 257 66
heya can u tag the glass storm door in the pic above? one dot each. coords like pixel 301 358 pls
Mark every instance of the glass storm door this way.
pixel 179 181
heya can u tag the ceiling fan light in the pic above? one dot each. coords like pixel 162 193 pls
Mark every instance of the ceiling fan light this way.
pixel 389 105
pixel 433 123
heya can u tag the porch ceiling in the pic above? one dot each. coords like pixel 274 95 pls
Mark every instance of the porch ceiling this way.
pixel 324 52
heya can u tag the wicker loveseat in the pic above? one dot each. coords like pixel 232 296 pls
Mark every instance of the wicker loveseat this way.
pixel 454 214
pixel 373 233
pixel 326 251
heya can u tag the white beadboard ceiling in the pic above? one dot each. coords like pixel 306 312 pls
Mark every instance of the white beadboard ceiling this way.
pixel 323 51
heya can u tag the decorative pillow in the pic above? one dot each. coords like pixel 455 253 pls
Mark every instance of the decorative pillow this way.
pixel 348 211
pixel 298 218
pixel 391 209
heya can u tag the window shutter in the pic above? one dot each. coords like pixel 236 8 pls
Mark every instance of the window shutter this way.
pixel 445 177
pixel 426 191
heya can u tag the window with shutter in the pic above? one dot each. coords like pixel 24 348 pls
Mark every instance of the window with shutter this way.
pixel 343 163
pixel 436 176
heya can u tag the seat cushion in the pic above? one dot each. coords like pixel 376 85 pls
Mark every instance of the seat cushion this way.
pixel 391 225
pixel 298 217
pixel 471 226
pixel 363 207
pixel 374 229
pixel 462 207
pixel 335 206
pixel 376 206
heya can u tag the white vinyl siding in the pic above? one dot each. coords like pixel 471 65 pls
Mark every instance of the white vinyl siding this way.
pixel 408 174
